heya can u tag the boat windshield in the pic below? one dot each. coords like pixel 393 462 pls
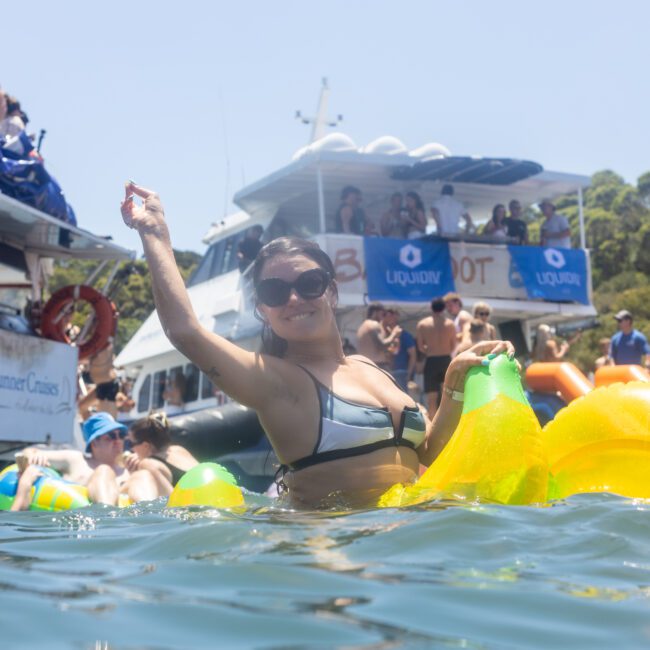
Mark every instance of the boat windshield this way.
pixel 220 258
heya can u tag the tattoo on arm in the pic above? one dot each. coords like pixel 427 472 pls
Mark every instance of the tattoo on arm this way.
pixel 213 374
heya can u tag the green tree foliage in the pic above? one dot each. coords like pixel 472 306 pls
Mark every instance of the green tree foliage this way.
pixel 130 290
pixel 617 228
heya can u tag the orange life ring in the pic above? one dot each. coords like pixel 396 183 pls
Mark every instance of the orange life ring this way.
pixel 558 377
pixel 53 325
pixel 613 374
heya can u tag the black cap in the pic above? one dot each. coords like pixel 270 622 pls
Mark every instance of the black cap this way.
pixel 624 313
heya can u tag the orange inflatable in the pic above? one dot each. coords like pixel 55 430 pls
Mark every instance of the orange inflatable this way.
pixel 558 377
pixel 612 374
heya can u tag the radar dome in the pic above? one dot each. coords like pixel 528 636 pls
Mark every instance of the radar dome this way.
pixel 300 153
pixel 430 150
pixel 387 144
pixel 334 142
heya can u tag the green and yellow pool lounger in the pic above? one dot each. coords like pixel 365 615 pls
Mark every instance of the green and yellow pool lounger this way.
pixel 499 453
pixel 50 492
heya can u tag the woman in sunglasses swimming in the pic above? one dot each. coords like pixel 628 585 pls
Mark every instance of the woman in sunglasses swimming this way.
pixel 340 426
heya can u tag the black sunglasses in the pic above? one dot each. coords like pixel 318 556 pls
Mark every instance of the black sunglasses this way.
pixel 115 435
pixel 312 284
pixel 130 444
pixel 483 313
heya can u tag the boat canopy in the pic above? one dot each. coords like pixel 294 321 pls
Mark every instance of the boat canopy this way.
pixel 306 192
pixel 467 169
pixel 31 231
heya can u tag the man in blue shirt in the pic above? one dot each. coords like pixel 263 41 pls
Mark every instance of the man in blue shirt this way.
pixel 404 352
pixel 628 345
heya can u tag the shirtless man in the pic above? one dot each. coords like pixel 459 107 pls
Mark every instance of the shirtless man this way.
pixel 102 472
pixel 436 338
pixel 104 376
pixel 372 342
pixel 461 318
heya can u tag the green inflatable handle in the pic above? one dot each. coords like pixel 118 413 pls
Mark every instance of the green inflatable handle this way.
pixel 484 383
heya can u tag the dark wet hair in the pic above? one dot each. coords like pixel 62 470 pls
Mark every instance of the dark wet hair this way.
pixel 418 201
pixel 495 210
pixel 437 305
pixel 372 308
pixel 153 429
pixel 347 190
pixel 12 104
pixel 447 190
pixel 287 247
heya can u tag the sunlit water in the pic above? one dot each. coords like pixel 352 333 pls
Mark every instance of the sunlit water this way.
pixel 575 575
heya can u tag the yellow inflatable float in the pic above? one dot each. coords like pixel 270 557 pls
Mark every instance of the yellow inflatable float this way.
pixel 601 443
pixel 499 454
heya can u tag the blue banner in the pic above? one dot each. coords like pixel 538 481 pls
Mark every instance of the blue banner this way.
pixel 558 274
pixel 407 270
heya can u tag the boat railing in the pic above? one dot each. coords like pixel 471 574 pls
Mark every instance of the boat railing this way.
pixel 245 290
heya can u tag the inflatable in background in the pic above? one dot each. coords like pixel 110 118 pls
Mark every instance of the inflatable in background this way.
pixel 496 452
pixel 601 443
pixel 612 374
pixel 558 377
pixel 50 492
pixel 207 484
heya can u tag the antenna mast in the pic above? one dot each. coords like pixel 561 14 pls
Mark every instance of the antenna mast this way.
pixel 319 122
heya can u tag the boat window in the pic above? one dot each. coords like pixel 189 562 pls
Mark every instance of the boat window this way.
pixel 144 396
pixel 220 258
pixel 191 383
pixel 210 265
pixel 207 387
pixel 159 384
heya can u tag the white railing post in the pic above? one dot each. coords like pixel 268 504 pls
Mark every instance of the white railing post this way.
pixel 581 217
pixel 321 199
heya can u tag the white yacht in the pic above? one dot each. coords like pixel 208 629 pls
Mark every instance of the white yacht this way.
pixel 302 199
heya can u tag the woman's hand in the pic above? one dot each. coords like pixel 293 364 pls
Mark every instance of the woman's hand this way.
pixel 131 461
pixel 148 217
pixel 479 354
pixel 36 457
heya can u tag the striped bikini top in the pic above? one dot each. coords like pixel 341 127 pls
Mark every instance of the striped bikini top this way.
pixel 347 429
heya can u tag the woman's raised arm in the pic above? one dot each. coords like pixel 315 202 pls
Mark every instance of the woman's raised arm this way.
pixel 247 377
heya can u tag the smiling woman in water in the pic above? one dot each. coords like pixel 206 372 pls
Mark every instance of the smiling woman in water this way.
pixel 339 425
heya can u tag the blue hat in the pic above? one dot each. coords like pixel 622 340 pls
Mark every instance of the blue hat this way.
pixel 98 425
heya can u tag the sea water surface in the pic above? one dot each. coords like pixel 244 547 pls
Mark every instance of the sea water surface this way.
pixel 574 575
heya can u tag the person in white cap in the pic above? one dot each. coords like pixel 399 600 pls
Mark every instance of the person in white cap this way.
pixel 628 345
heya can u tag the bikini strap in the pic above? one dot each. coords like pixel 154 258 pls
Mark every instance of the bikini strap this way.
pixel 374 365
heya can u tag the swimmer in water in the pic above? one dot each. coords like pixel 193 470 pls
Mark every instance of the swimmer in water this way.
pixel 150 440
pixel 342 429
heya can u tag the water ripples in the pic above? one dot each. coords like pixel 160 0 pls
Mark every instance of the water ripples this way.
pixel 576 574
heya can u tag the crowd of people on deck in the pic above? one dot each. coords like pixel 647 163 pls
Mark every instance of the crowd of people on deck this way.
pixel 406 218
pixel 418 363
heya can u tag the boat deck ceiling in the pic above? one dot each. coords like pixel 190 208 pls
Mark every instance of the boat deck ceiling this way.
pixel 28 229
pixel 479 183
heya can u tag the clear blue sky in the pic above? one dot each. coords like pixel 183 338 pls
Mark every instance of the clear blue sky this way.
pixel 174 95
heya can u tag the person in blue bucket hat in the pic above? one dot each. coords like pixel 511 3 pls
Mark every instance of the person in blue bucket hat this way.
pixel 102 468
